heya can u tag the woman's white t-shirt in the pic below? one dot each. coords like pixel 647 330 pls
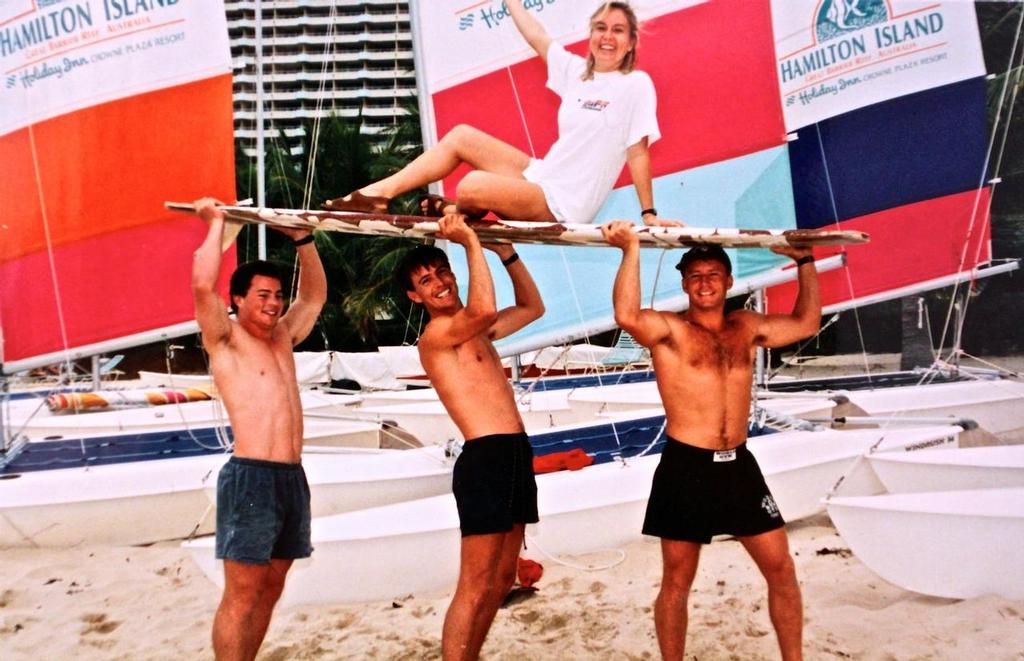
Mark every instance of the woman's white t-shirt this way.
pixel 597 121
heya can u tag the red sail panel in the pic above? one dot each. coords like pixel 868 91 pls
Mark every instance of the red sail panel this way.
pixel 909 245
pixel 698 109
pixel 121 260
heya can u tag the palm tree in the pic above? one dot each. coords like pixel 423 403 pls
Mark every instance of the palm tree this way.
pixel 364 306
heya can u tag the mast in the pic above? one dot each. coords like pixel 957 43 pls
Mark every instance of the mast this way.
pixel 261 194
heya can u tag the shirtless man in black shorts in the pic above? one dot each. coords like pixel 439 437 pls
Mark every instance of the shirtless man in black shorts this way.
pixel 263 514
pixel 493 480
pixel 707 482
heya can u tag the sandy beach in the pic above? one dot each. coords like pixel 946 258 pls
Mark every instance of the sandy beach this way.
pixel 153 603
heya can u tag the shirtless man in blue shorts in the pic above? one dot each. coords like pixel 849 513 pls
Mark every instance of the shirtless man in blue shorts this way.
pixel 263 511
pixel 707 482
pixel 493 480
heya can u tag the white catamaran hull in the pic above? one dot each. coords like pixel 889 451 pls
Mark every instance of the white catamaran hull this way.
pixel 953 544
pixel 149 501
pixel 806 465
pixel 382 553
pixel 997 405
pixel 951 470
pixel 411 547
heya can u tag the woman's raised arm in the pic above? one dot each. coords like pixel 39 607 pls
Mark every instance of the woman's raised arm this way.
pixel 530 28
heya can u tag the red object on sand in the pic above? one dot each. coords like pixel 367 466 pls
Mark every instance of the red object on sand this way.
pixel 529 572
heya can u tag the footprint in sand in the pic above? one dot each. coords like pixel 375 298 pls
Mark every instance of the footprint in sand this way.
pixel 98 623
pixel 345 620
pixel 419 649
pixel 597 587
pixel 6 597
pixel 525 616
pixel 421 612
pixel 554 623
pixel 280 653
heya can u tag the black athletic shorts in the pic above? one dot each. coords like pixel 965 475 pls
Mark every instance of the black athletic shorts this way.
pixel 494 485
pixel 262 511
pixel 698 493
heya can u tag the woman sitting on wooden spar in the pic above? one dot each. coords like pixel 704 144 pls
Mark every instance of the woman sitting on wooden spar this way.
pixel 607 117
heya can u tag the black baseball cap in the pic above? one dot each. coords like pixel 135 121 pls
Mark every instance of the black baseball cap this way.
pixel 702 253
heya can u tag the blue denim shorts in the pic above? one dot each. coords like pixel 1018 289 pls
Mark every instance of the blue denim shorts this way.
pixel 262 511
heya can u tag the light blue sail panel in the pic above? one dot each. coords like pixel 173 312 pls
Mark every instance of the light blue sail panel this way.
pixel 576 283
pixel 913 148
pixel 763 205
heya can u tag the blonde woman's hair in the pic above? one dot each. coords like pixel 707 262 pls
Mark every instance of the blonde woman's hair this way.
pixel 630 60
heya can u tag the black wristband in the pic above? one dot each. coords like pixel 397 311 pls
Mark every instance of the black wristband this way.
pixel 303 241
pixel 652 211
pixel 511 260
pixel 806 259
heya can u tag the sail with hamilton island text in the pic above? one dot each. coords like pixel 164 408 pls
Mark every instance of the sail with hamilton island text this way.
pixel 777 114
pixel 106 110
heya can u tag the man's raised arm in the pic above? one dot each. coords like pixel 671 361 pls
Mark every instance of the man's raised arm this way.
pixel 312 294
pixel 646 326
pixel 480 310
pixel 778 330
pixel 210 311
pixel 528 306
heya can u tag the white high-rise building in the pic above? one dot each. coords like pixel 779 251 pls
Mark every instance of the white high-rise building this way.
pixel 321 57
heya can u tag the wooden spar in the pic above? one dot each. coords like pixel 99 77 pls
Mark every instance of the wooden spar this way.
pixel 513 231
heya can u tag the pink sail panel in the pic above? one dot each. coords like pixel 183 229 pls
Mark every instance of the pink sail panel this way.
pixel 702 59
pixel 120 262
pixel 922 241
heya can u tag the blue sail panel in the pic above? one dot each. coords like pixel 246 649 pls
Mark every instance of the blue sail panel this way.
pixel 890 154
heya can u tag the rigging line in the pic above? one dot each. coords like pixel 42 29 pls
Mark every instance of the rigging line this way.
pixel 522 113
pixel 1016 72
pixel 223 443
pixel 657 276
pixel 561 250
pixel 314 141
pixel 788 362
pixel 49 246
pixel 846 269
pixel 984 171
pixel 1012 372
pixel 278 137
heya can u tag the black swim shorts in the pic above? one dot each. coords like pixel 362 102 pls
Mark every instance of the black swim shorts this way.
pixel 262 511
pixel 698 493
pixel 494 484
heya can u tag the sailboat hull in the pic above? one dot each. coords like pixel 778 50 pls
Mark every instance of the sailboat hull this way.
pixel 954 544
pixel 381 553
pixel 145 502
pixel 954 470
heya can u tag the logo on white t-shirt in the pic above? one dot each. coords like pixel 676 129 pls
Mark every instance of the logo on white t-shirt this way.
pixel 596 104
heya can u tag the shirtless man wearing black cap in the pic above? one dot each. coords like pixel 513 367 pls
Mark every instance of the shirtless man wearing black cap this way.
pixel 708 483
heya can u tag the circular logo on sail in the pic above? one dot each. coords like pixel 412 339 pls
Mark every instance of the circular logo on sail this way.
pixel 837 17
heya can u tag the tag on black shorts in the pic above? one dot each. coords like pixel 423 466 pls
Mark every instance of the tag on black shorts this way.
pixel 725 455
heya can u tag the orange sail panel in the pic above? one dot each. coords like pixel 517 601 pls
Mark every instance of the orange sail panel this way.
pixel 88 254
